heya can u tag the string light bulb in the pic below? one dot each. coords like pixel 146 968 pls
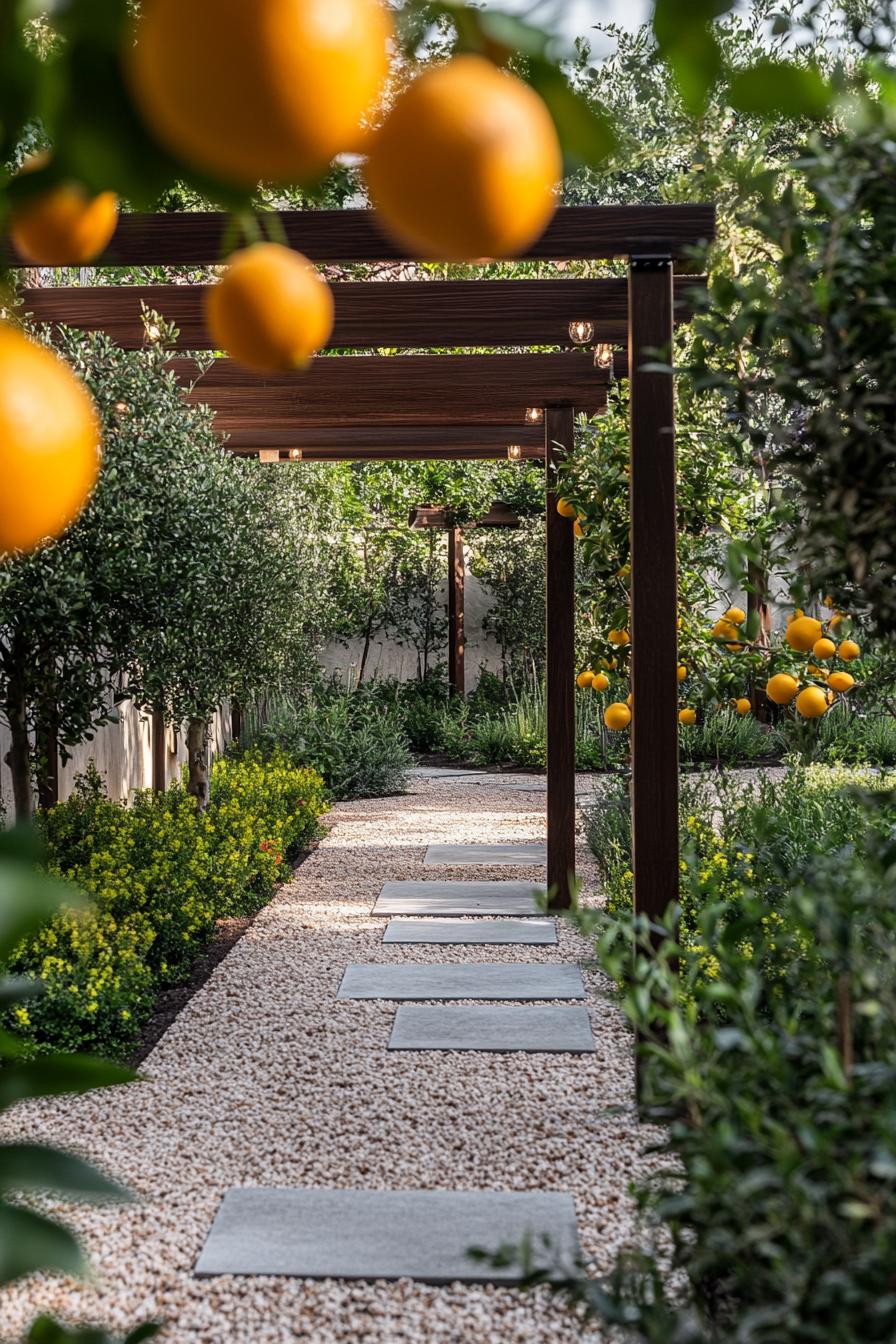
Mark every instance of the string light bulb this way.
pixel 534 415
pixel 514 451
pixel 603 356
pixel 581 332
pixel 269 454
pixel 295 454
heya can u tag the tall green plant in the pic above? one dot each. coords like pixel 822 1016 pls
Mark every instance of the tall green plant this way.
pixel 31 1241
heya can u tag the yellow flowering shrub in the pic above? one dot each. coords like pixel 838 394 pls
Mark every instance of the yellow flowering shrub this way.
pixel 160 873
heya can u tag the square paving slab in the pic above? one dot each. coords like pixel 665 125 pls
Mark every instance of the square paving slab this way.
pixel 484 856
pixel 385 1234
pixel 536 1030
pixel 458 898
pixel 482 980
pixel 475 932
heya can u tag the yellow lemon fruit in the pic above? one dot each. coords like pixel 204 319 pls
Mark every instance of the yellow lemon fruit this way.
pixel 617 716
pixel 824 648
pixel 618 637
pixel 781 688
pixel 682 672
pixel 743 705
pixel 849 650
pixel 565 509
pixel 841 682
pixel 735 615
pixel 811 703
pixel 803 632
pixel 50 440
pixel 584 679
pixel 599 682
pixel 262 92
pixel 578 529
pixel 467 163
pixel 271 310
pixel 687 716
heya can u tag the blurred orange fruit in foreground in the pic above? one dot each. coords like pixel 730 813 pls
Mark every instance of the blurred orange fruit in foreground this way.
pixel 687 716
pixel 49 443
pixel 467 163
pixel 271 310
pixel 64 225
pixel 264 91
pixel 743 705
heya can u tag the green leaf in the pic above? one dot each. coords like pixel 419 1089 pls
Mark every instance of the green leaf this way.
pixel 30 1242
pixel 55 1075
pixel 33 1166
pixel 586 133
pixel 686 41
pixel 28 900
pixel 781 88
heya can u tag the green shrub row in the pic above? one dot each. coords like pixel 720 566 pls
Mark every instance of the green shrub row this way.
pixel 767 1032
pixel 159 874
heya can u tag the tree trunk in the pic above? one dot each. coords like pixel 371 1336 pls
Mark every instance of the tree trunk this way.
pixel 236 720
pixel 368 634
pixel 18 758
pixel 47 745
pixel 197 761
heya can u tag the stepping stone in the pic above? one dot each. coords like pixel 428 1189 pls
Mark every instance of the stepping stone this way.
pixel 548 1029
pixel 458 898
pixel 474 932
pixel 483 980
pixel 386 1234
pixel 485 856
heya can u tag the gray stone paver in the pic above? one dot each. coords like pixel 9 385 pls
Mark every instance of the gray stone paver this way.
pixel 458 898
pixel 384 1234
pixel 480 980
pixel 492 1028
pixel 471 932
pixel 485 856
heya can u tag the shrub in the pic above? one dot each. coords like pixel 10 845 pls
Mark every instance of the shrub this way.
pixel 727 738
pixel 160 873
pixel 354 742
pixel 774 1216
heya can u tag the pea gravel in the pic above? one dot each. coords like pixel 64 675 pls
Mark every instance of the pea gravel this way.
pixel 267 1079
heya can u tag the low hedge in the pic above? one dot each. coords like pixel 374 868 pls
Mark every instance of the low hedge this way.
pixel 160 873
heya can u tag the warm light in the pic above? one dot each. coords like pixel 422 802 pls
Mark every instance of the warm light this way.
pixel 295 454
pixel 603 356
pixel 581 332
pixel 534 415
pixel 122 408
pixel 153 332
pixel 269 454
pixel 514 451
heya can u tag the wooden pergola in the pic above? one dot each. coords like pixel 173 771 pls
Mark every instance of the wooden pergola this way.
pixel 464 406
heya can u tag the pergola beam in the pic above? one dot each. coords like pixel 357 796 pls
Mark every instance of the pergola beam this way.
pixel 197 238
pixel 447 440
pixel 377 314
pixel 435 389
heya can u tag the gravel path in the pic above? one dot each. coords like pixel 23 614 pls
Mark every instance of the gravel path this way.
pixel 265 1079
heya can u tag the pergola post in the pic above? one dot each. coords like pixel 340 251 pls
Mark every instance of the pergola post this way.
pixel 456 684
pixel 560 670
pixel 654 589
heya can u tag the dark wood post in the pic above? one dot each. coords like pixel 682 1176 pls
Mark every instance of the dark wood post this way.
pixel 159 752
pixel 456 682
pixel 559 425
pixel 654 589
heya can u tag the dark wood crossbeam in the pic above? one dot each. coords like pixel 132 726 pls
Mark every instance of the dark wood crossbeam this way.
pixel 196 238
pixel 378 314
pixel 431 515
pixel 386 438
pixel 435 389
pixel 348 453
